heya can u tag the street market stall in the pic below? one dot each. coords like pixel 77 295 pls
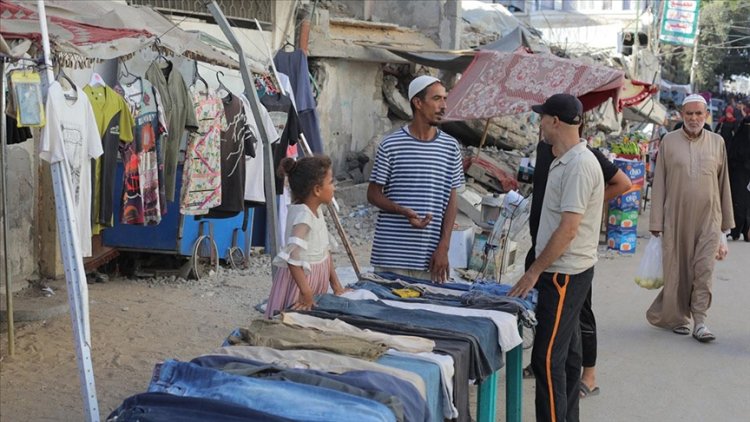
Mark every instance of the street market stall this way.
pixel 85 124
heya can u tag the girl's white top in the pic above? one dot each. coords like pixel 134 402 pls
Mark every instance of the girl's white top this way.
pixel 307 240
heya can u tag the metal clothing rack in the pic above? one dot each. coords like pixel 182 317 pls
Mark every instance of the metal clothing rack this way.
pixel 4 200
pixel 6 230
pixel 70 249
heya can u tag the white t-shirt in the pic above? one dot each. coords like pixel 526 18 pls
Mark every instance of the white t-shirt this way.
pixel 306 238
pixel 254 187
pixel 71 136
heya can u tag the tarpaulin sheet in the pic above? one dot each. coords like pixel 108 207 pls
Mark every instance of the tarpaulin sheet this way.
pixel 499 84
pixel 636 92
pixel 21 20
pixel 106 30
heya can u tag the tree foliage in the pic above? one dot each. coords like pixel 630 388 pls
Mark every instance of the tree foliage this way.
pixel 723 46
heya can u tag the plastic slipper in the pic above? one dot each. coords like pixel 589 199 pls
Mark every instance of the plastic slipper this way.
pixel 682 330
pixel 586 392
pixel 528 373
pixel 703 335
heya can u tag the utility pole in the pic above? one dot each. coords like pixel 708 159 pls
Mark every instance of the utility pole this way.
pixel 694 62
pixel 636 41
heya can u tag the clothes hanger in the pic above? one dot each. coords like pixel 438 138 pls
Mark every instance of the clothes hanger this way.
pixel 223 87
pixel 160 56
pixel 61 76
pixel 96 80
pixel 197 77
pixel 127 73
pixel 288 44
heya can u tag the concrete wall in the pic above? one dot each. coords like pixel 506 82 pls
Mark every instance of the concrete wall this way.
pixel 351 107
pixel 21 213
pixel 438 19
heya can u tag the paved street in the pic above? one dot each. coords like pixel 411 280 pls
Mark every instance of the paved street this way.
pixel 649 374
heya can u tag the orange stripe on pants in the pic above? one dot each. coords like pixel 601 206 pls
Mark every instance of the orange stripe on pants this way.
pixel 561 291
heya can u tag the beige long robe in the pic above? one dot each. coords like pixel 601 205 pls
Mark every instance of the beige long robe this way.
pixel 691 202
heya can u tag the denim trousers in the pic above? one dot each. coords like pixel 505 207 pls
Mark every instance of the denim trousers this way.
pixel 430 373
pixel 501 290
pixel 286 399
pixel 162 407
pixel 463 348
pixel 483 329
pixel 382 387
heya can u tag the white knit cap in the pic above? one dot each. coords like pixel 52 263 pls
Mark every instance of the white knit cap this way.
pixel 419 83
pixel 694 98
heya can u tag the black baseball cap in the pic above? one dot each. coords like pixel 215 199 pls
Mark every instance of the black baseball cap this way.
pixel 565 107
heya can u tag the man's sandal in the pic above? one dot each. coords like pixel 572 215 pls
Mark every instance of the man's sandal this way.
pixel 528 373
pixel 702 334
pixel 586 391
pixel 682 330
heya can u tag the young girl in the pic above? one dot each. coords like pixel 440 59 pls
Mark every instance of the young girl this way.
pixel 305 264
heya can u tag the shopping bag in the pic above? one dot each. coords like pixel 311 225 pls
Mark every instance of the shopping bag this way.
pixel 650 272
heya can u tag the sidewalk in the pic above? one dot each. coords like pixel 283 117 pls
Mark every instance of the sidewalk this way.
pixel 650 374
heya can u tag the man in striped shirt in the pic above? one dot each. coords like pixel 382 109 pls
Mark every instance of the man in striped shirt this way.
pixel 413 181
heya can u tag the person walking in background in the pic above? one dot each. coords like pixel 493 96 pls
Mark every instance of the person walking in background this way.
pixel 690 204
pixel 413 181
pixel 728 121
pixel 566 251
pixel 738 155
pixel 616 183
pixel 305 264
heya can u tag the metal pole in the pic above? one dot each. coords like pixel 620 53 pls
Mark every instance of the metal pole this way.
pixel 636 41
pixel 694 61
pixel 252 96
pixel 333 207
pixel 70 249
pixel 6 230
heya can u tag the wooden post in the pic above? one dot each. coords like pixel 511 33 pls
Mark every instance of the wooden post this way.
pixel 484 137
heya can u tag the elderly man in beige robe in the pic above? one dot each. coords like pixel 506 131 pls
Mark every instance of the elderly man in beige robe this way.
pixel 691 206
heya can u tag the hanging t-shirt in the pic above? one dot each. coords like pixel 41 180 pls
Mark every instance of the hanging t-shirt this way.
pixel 285 119
pixel 178 108
pixel 143 200
pixel 234 141
pixel 71 136
pixel 294 64
pixel 115 124
pixel 254 166
pixel 201 174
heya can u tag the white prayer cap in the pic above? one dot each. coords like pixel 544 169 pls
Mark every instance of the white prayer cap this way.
pixel 694 98
pixel 419 83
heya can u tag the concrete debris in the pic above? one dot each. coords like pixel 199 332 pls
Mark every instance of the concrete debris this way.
pixel 358 222
pixel 397 103
pixel 469 202
pixel 355 166
pixel 508 132
pixel 496 171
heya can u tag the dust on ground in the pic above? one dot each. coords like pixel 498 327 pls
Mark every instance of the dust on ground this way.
pixel 136 323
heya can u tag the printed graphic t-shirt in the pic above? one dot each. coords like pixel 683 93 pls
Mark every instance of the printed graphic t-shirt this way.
pixel 72 137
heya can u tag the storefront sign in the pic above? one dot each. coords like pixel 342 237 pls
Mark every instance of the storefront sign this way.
pixel 680 22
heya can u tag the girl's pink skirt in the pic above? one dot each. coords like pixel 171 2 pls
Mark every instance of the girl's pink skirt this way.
pixel 284 291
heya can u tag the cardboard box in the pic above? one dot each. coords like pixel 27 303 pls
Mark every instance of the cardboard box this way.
pixel 623 240
pixel 630 200
pixel 623 218
pixel 634 169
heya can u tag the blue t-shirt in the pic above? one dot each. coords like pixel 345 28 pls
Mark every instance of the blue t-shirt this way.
pixel 418 175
